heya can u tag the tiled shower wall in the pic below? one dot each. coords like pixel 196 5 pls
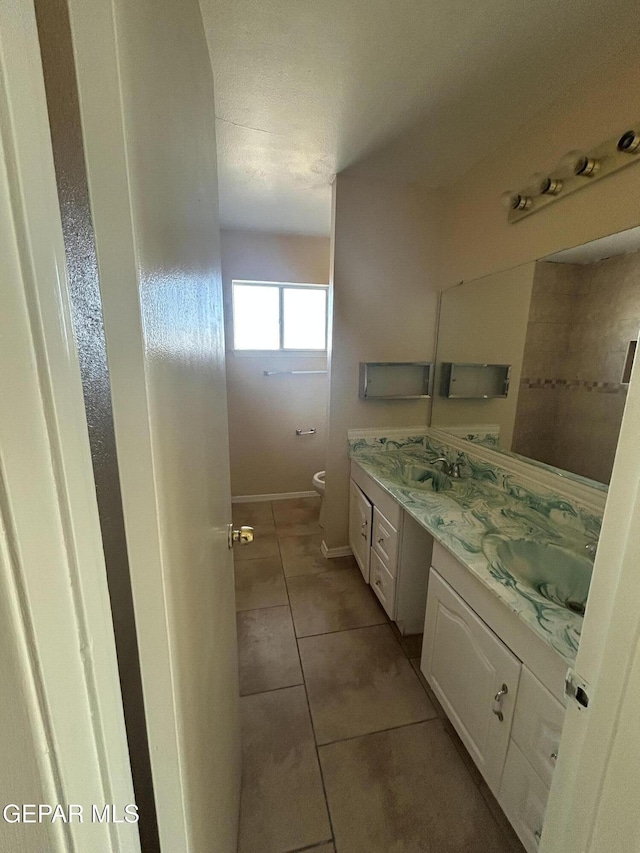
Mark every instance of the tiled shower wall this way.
pixel 571 399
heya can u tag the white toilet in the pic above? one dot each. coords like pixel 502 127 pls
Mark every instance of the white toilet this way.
pixel 318 485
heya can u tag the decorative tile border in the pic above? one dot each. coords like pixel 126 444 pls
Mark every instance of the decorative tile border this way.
pixel 574 385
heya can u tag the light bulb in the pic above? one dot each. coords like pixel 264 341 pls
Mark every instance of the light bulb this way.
pixel 577 163
pixel 629 142
pixel 541 184
pixel 512 200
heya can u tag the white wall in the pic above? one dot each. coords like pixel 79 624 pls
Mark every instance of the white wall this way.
pixel 264 411
pixel 385 294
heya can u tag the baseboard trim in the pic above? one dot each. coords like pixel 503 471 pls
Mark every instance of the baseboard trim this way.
pixel 331 553
pixel 282 496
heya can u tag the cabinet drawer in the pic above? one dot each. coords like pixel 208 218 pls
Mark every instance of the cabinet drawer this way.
pixel 389 507
pixel 383 584
pixel 360 512
pixel 537 725
pixel 385 541
pixel 523 798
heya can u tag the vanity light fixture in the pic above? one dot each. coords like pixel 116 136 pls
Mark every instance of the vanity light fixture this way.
pixel 570 173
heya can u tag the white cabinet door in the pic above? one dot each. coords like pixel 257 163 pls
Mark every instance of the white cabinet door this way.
pixel 360 516
pixel 467 666
pixel 523 797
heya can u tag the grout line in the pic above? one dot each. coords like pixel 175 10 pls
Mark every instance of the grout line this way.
pixel 313 728
pixel 273 689
pixel 265 607
pixel 340 630
pixel 313 847
pixel 380 731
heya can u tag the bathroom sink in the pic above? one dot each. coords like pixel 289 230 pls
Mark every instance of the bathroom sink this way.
pixel 556 573
pixel 425 476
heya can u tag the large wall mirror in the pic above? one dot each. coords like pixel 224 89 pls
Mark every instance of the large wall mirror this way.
pixel 536 360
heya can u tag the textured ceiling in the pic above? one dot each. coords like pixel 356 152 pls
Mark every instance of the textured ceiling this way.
pixel 418 89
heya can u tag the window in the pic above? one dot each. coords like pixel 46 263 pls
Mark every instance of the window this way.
pixel 272 316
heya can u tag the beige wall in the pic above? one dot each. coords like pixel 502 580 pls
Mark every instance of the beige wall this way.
pixel 484 321
pixel 264 411
pixel 384 309
pixel 478 239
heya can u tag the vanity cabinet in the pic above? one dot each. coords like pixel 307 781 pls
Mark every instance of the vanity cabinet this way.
pixel 392 550
pixel 467 666
pixel 474 648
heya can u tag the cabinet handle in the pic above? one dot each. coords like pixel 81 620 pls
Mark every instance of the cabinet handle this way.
pixel 537 835
pixel 553 756
pixel 364 524
pixel 497 702
pixel 377 582
pixel 380 541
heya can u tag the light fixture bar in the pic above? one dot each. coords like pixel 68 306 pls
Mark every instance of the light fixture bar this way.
pixel 619 151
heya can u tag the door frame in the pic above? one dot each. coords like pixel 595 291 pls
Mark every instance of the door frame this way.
pixel 593 800
pixel 52 559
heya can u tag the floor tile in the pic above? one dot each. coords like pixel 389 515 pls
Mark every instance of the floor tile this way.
pixel 411 643
pixel 372 688
pixel 515 845
pixel 259 513
pixel 282 804
pixel 406 790
pixel 267 650
pixel 265 544
pixel 415 663
pixel 260 583
pixel 332 601
pixel 297 517
pixel 301 555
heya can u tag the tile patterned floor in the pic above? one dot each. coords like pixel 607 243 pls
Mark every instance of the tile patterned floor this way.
pixel 345 748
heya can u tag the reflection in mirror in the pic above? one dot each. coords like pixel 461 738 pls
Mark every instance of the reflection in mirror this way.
pixel 568 326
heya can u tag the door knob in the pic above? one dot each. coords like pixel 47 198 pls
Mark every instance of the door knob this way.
pixel 242 535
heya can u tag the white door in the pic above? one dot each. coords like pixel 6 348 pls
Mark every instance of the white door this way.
pixel 360 520
pixel 146 96
pixel 468 666
pixel 62 733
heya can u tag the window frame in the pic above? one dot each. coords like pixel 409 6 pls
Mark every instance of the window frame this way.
pixel 282 350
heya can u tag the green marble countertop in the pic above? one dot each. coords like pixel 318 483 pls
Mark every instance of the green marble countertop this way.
pixel 468 509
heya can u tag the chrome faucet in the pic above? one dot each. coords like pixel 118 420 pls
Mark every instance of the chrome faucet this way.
pixel 451 469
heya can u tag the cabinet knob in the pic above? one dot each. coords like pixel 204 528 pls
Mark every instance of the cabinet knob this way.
pixel 553 756
pixel 497 702
pixel 380 541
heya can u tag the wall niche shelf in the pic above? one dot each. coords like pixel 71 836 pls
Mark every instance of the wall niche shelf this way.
pixel 465 381
pixel 395 380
